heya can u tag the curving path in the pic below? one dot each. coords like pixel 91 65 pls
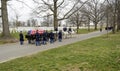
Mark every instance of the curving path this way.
pixel 15 50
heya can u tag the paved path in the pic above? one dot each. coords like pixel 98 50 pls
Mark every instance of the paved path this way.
pixel 14 50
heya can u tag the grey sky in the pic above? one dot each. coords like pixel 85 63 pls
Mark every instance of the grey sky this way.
pixel 20 9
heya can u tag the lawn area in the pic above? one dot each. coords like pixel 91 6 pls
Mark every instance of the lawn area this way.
pixel 15 35
pixel 84 31
pixel 96 54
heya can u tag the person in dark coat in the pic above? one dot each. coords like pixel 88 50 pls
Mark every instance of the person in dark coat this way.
pixel 47 36
pixel 51 35
pixel 21 38
pixel 37 38
pixel 60 36
pixel 65 29
pixel 44 38
pixel 28 36
pixel 69 30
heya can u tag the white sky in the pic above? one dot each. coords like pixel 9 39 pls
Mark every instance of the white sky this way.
pixel 20 9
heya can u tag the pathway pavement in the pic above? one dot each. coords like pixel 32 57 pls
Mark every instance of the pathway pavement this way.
pixel 15 50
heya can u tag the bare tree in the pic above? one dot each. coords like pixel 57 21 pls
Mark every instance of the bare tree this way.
pixel 28 23
pixel 113 12
pixel 95 10
pixel 34 22
pixel 77 19
pixel 57 8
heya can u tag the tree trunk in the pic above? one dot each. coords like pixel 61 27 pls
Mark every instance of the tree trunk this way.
pixel 95 25
pixel 114 21
pixel 118 16
pixel 77 28
pixel 6 32
pixel 88 24
pixel 55 15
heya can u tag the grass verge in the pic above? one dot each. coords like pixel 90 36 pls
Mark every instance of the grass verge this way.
pixel 15 36
pixel 84 31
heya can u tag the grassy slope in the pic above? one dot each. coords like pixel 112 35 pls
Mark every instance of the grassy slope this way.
pixel 96 54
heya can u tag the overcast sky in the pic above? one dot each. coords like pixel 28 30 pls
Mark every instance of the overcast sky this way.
pixel 20 9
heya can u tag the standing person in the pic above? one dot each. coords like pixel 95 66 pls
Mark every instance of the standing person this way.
pixel 21 38
pixel 65 31
pixel 37 38
pixel 51 37
pixel 100 29
pixel 28 36
pixel 60 36
pixel 70 31
pixel 44 38
pixel 47 37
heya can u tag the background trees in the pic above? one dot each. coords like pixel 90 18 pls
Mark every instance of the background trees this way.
pixel 59 9
pixel 95 10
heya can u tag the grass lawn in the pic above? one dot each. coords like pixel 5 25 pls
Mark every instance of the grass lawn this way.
pixel 96 54
pixel 84 31
pixel 15 35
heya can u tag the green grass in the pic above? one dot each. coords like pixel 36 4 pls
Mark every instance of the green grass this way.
pixel 15 35
pixel 84 31
pixel 96 54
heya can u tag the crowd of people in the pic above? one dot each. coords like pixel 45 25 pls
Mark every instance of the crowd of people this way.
pixel 44 38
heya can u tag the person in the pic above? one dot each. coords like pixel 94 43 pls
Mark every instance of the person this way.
pixel 28 36
pixel 100 29
pixel 65 29
pixel 70 31
pixel 44 37
pixel 37 38
pixel 51 35
pixel 21 38
pixel 60 36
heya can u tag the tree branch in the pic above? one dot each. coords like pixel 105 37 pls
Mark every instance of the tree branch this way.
pixel 60 4
pixel 50 6
pixel 67 15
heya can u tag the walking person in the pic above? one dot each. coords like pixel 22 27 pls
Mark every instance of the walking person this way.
pixel 60 36
pixel 28 36
pixel 65 31
pixel 51 37
pixel 70 31
pixel 44 38
pixel 100 29
pixel 21 38
pixel 37 38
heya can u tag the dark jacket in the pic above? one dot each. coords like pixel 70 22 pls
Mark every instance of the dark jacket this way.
pixel 37 36
pixel 51 35
pixel 65 29
pixel 21 37
pixel 60 35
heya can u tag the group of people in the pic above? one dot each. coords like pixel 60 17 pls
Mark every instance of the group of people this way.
pixel 44 37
